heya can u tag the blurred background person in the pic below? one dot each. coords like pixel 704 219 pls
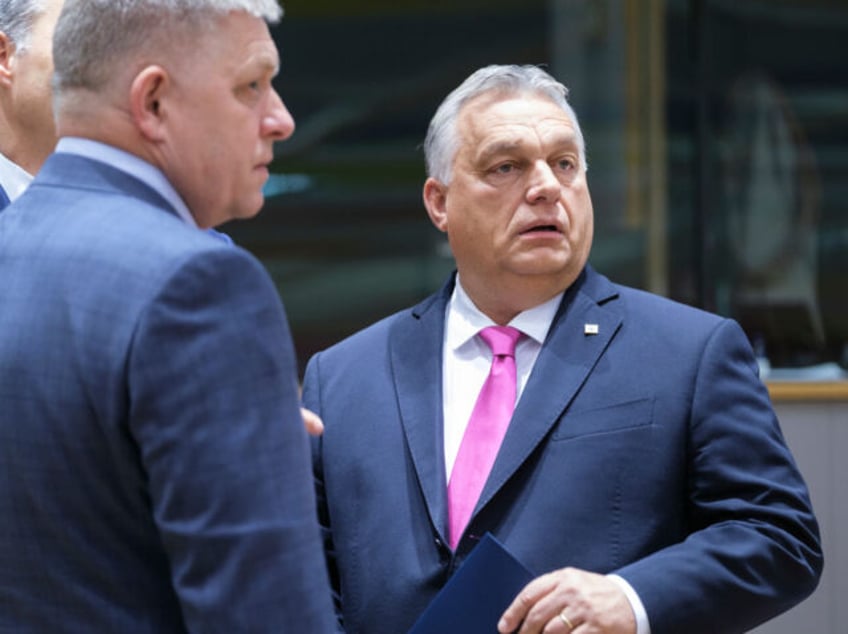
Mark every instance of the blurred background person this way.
pixel 27 129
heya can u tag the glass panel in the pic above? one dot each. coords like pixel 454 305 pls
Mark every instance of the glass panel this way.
pixel 717 136
pixel 771 141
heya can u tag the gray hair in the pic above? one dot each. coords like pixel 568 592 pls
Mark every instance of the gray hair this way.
pixel 93 38
pixel 442 141
pixel 17 18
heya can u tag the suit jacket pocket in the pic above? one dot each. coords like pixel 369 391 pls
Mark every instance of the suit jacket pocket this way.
pixel 603 420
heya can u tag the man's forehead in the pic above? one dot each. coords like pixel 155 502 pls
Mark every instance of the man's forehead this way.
pixel 244 44
pixel 492 135
pixel 517 111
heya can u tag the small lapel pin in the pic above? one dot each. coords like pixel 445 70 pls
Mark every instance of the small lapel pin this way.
pixel 590 329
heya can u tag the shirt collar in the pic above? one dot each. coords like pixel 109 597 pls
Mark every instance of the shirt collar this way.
pixel 13 178
pixel 464 319
pixel 129 164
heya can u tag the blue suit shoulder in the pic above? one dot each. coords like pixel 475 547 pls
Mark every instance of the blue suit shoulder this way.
pixel 653 314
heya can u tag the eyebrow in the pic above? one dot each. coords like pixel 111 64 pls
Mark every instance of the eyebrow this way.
pixel 499 147
pixel 270 64
pixel 264 61
pixel 507 147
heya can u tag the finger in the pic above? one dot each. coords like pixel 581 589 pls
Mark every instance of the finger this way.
pixel 524 602
pixel 313 423
pixel 544 615
pixel 562 622
pixel 552 613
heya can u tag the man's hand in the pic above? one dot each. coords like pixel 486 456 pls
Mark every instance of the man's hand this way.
pixel 314 425
pixel 588 603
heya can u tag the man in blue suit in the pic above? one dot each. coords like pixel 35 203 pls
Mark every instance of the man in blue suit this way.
pixel 154 469
pixel 27 130
pixel 642 475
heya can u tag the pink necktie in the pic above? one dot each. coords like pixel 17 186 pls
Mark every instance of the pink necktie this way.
pixel 485 430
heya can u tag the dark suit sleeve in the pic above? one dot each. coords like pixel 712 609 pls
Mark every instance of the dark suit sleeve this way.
pixel 753 548
pixel 215 414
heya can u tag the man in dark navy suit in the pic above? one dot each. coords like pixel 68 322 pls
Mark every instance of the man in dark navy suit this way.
pixel 643 474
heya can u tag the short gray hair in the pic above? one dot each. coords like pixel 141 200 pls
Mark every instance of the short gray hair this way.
pixel 94 37
pixel 17 18
pixel 442 141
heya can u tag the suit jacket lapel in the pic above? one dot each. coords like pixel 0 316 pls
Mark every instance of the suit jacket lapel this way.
pixel 566 360
pixel 416 344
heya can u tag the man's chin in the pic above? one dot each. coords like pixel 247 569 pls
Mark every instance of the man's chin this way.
pixel 544 262
pixel 249 209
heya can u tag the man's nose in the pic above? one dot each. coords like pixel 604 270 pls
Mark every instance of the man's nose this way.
pixel 277 122
pixel 544 185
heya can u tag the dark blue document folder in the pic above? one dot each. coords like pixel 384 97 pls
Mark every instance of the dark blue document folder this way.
pixel 475 597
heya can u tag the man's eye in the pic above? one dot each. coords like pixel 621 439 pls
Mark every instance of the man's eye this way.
pixel 505 168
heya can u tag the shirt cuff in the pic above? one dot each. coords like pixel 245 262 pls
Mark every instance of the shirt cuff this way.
pixel 642 625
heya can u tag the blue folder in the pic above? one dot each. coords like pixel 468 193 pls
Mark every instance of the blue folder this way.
pixel 477 594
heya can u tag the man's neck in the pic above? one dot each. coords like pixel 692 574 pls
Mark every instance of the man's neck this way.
pixel 19 152
pixel 502 302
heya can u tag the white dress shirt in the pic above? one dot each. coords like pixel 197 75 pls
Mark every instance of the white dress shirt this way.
pixel 13 178
pixel 467 359
pixel 465 366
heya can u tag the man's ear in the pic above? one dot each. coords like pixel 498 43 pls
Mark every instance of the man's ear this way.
pixel 147 93
pixel 435 200
pixel 7 50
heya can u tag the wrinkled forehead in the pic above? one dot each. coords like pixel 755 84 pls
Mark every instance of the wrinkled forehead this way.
pixel 504 119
